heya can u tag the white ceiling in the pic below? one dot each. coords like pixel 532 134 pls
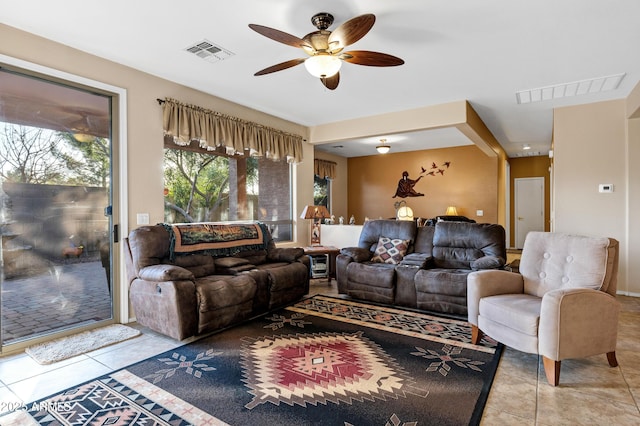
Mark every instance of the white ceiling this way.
pixel 481 51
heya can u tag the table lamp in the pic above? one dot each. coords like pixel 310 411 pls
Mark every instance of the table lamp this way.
pixel 317 214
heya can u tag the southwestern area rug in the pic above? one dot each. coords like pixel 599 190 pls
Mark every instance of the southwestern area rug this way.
pixel 323 360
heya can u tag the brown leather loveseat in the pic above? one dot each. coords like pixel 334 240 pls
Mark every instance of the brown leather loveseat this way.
pixel 431 273
pixel 191 279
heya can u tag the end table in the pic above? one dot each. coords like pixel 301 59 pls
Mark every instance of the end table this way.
pixel 332 252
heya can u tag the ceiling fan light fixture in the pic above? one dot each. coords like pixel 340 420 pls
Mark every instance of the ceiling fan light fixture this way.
pixel 383 148
pixel 323 65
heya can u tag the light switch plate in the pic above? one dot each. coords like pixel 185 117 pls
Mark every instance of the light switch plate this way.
pixel 143 218
pixel 479 212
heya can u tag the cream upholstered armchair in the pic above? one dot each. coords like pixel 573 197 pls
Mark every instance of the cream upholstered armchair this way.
pixel 561 305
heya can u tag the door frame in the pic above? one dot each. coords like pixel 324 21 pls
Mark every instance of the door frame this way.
pixel 118 173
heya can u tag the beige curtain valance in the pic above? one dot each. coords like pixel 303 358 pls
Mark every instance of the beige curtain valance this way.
pixel 324 168
pixel 185 123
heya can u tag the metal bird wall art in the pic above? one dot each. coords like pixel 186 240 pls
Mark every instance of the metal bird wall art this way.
pixel 406 184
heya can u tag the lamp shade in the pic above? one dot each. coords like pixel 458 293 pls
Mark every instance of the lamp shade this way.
pixel 405 213
pixel 451 211
pixel 323 65
pixel 314 212
pixel 383 148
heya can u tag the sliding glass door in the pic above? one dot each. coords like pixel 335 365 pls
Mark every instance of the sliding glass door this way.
pixel 55 207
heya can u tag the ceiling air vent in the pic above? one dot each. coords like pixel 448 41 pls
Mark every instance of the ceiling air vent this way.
pixel 209 51
pixel 574 88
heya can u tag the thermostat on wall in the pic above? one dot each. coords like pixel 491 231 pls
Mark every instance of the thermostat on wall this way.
pixel 605 187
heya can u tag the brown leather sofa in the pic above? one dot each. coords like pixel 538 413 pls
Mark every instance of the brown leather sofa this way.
pixel 432 274
pixel 183 296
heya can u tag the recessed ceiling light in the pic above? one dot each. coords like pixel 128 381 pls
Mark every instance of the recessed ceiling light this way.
pixel 575 88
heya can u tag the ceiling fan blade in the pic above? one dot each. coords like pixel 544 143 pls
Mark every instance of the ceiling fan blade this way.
pixel 351 31
pixel 373 59
pixel 281 66
pixel 279 36
pixel 331 82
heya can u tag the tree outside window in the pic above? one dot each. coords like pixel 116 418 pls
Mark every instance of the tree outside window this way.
pixel 206 186
pixel 321 192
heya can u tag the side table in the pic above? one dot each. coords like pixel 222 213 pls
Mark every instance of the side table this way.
pixel 332 252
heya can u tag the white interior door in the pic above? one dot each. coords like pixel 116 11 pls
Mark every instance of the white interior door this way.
pixel 529 207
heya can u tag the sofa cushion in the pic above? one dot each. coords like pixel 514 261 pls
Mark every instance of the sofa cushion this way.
pixel 200 265
pixel 214 292
pixel 285 254
pixel 390 250
pixel 520 312
pixel 374 229
pixel 148 245
pixel 451 282
pixel 222 302
pixel 457 244
pixel 230 262
pixel 372 274
pixel 552 261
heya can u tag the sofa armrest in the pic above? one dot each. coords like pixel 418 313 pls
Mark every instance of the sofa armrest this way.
pixel 357 254
pixel 488 262
pixel 490 282
pixel 285 254
pixel 418 260
pixel 168 307
pixel 577 323
pixel 164 272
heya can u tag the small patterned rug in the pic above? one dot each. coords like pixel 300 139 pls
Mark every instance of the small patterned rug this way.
pixel 323 360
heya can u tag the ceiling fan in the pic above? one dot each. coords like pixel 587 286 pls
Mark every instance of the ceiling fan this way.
pixel 325 48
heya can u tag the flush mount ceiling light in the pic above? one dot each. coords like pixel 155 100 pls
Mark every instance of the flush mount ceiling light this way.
pixel 574 88
pixel 383 148
pixel 526 146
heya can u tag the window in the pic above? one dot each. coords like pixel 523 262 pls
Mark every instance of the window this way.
pixel 203 186
pixel 56 187
pixel 321 192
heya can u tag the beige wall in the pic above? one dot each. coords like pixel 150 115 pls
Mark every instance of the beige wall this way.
pixel 470 183
pixel 590 148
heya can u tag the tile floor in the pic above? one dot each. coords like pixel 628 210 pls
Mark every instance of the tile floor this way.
pixel 590 392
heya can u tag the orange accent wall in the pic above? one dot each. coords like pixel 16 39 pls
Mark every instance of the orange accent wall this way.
pixel 470 183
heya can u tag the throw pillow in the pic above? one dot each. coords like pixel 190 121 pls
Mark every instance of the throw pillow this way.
pixel 390 250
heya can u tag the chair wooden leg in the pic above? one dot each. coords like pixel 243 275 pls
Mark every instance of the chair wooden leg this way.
pixel 476 334
pixel 551 370
pixel 611 357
